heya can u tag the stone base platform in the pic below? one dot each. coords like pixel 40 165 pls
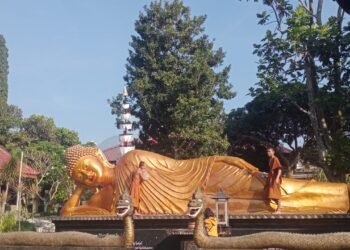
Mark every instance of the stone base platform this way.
pixel 176 232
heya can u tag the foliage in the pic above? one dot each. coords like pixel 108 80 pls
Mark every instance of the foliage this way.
pixel 7 222
pixel 66 137
pixel 3 70
pixel 39 128
pixel 43 144
pixel 339 155
pixel 8 177
pixel 270 119
pixel 21 133
pixel 313 56
pixel 177 83
pixel 90 144
pixel 48 159
pixel 10 120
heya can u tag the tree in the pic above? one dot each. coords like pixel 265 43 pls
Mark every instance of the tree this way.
pixel 8 176
pixel 10 120
pixel 39 128
pixel 48 159
pixel 307 51
pixel 4 68
pixel 270 120
pixel 177 83
pixel 66 137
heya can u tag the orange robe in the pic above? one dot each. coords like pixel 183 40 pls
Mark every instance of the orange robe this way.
pixel 135 189
pixel 273 189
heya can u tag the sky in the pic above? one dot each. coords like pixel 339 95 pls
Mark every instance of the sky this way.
pixel 67 57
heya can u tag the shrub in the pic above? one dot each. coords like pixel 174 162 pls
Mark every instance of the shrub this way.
pixel 7 222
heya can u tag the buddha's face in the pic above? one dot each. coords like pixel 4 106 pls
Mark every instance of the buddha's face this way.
pixel 88 172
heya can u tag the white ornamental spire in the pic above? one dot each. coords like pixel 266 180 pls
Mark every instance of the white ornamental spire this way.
pixel 125 91
pixel 126 138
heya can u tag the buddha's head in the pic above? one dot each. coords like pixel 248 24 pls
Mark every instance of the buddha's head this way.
pixel 87 166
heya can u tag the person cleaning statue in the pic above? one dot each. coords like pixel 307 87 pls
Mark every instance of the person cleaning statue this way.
pixel 210 223
pixel 274 180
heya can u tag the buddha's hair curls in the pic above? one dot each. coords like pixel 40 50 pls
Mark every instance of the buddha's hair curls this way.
pixel 74 153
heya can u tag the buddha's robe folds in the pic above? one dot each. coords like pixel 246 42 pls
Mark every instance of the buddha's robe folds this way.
pixel 172 182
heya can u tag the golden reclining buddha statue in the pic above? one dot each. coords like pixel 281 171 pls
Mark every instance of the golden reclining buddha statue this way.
pixel 171 183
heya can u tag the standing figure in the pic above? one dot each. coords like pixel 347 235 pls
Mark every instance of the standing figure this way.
pixel 274 179
pixel 210 223
pixel 138 176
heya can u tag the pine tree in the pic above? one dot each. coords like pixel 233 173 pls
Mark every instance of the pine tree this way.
pixel 3 70
pixel 177 82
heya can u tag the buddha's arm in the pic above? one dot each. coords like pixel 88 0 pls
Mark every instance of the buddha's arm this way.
pixel 73 201
pixel 72 206
pixel 102 199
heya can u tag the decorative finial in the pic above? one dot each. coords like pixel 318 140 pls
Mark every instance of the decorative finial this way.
pixel 125 91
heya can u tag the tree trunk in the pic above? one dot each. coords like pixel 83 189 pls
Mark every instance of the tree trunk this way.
pixel 319 125
pixel 46 205
pixel 320 131
pixel 336 79
pixel 4 198
pixel 319 12
pixel 34 204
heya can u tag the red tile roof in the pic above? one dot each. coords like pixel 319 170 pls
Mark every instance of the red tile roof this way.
pixel 27 171
pixel 112 154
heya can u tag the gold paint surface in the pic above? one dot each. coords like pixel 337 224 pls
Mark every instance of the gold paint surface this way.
pixel 172 183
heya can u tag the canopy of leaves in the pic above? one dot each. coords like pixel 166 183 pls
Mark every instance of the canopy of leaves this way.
pixel 313 56
pixel 177 82
pixel 270 119
pixel 10 120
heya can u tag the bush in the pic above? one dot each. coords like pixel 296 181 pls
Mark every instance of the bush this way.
pixel 339 155
pixel 7 222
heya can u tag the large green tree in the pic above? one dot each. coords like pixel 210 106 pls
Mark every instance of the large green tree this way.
pixel 10 121
pixel 177 82
pixel 43 145
pixel 4 68
pixel 270 119
pixel 39 128
pixel 66 137
pixel 10 115
pixel 48 159
pixel 313 52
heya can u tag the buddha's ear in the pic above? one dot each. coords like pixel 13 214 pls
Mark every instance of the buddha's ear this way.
pixel 102 158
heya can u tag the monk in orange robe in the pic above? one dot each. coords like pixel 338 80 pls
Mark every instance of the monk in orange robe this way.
pixel 138 176
pixel 274 179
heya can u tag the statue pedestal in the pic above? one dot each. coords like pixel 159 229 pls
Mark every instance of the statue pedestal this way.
pixel 173 232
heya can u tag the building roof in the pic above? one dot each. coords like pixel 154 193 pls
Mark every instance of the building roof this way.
pixel 112 154
pixel 27 171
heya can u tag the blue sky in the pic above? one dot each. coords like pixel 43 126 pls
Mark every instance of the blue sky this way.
pixel 67 57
